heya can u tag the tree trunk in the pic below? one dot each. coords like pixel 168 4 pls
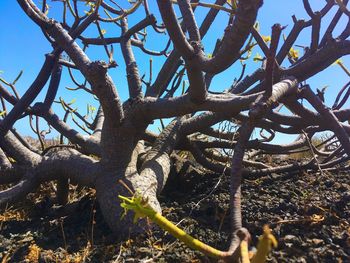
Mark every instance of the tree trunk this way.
pixel 148 182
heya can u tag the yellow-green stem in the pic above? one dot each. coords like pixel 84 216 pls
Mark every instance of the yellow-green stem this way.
pixel 142 209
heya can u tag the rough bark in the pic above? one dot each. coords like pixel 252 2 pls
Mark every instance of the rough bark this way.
pixel 127 156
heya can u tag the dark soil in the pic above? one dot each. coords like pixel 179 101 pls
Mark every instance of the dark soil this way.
pixel 308 212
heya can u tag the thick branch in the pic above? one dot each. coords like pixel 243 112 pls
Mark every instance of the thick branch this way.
pixel 320 60
pixel 56 165
pixel 15 149
pixel 234 38
pixel 174 29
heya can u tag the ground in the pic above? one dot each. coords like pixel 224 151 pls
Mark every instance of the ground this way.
pixel 308 212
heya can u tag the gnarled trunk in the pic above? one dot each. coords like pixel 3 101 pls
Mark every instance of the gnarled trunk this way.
pixel 148 181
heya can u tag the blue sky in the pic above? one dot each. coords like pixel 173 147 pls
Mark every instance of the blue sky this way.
pixel 23 46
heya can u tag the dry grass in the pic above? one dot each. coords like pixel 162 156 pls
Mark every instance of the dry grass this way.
pixel 66 257
pixel 33 254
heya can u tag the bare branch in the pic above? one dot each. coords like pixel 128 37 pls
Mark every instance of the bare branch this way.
pixel 132 71
pixel 174 30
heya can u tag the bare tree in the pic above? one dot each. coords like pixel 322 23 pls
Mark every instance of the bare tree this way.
pixel 206 124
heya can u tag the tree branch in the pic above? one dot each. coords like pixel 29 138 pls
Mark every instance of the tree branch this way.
pixel 132 72
pixel 233 39
pixel 173 28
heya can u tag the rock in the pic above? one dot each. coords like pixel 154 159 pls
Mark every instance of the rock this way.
pixel 329 183
pixel 346 197
pixel 317 241
pixel 344 187
pixel 289 238
pixel 301 260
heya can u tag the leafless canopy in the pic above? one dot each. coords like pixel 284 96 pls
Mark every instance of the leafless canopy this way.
pixel 209 125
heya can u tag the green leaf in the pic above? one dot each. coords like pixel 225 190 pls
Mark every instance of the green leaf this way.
pixel 47 7
pixel 294 53
pixel 183 87
pixel 266 38
pixel 162 124
pixel 17 78
pixel 5 82
pixel 257 58
pixel 257 26
pixel 337 62
pixel 72 101
pixel 136 203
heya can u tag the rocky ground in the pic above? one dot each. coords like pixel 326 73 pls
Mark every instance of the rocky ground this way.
pixel 308 212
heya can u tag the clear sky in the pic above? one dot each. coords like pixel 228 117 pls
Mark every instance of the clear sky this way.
pixel 23 46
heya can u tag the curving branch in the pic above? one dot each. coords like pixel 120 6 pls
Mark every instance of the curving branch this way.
pixel 174 29
pixel 132 72
pixel 233 39
pixel 56 165
pixel 15 149
pixel 210 125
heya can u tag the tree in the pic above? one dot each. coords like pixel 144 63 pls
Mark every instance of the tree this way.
pixel 121 154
